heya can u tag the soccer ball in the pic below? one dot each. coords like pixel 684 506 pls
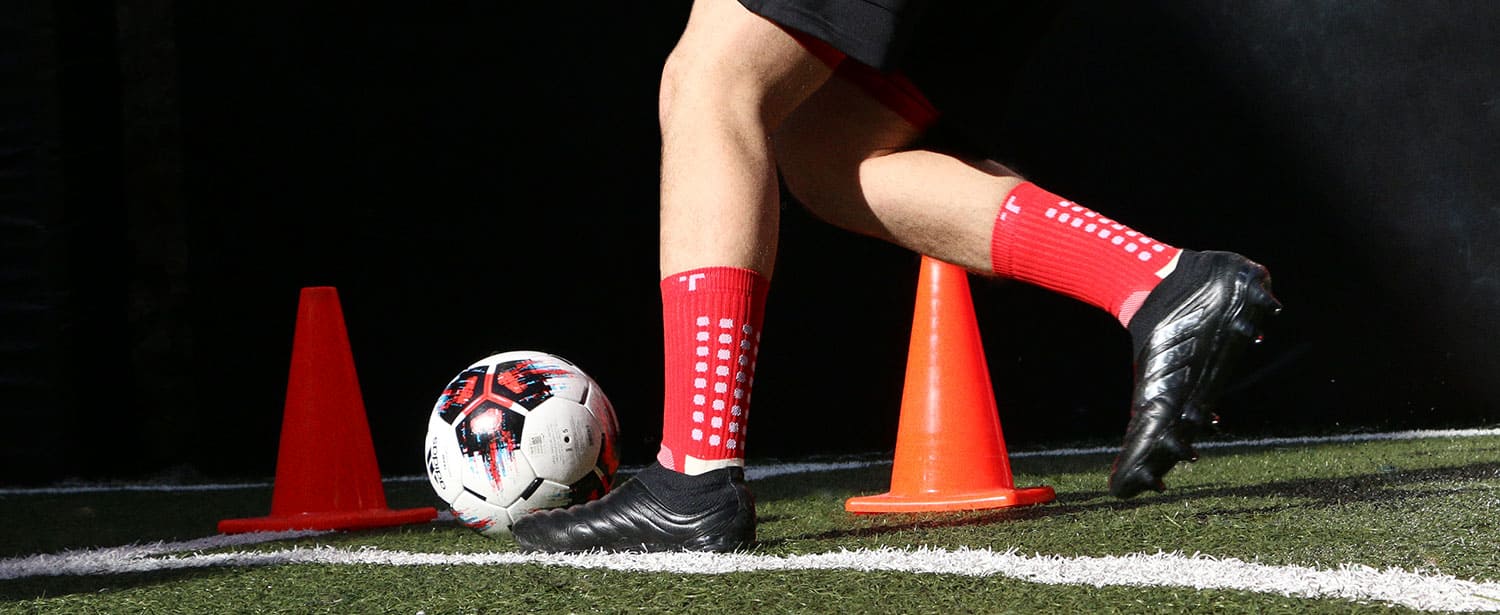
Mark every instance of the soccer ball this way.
pixel 516 432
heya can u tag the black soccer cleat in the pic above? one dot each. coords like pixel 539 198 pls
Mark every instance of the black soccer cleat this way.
pixel 1183 362
pixel 634 518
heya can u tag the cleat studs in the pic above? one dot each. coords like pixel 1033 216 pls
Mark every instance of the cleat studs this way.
pixel 1186 453
pixel 1261 295
pixel 1178 450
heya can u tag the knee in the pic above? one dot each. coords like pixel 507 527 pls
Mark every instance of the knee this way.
pixel 706 79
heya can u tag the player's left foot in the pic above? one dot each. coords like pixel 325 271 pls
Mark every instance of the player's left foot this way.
pixel 656 510
pixel 1188 334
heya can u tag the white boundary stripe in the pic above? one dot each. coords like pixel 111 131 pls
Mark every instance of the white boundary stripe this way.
pixel 1425 591
pixel 80 489
pixel 779 469
pixel 1418 434
pixel 766 471
pixel 113 560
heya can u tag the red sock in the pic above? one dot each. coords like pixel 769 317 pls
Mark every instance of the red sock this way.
pixel 711 321
pixel 1054 243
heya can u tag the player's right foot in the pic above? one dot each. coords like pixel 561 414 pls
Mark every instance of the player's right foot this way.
pixel 656 510
pixel 1188 335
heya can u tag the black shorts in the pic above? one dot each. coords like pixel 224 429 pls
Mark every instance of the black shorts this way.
pixel 874 32
pixel 921 57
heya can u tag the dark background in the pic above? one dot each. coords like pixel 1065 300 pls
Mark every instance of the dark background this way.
pixel 477 177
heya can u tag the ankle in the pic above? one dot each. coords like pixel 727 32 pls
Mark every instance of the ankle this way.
pixel 687 493
pixel 1191 269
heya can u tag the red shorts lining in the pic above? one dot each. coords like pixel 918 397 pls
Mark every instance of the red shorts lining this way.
pixel 893 89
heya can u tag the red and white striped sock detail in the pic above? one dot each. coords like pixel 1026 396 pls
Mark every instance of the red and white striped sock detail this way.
pixel 711 321
pixel 1049 241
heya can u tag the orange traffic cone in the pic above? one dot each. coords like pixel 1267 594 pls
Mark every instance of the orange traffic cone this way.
pixel 326 475
pixel 950 454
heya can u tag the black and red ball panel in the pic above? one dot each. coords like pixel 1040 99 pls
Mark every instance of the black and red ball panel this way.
pixel 459 393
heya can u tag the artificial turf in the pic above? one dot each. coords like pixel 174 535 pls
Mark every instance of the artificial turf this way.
pixel 1421 505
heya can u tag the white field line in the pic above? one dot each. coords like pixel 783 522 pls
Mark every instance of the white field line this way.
pixel 1417 590
pixel 778 469
pixel 108 559
pixel 766 471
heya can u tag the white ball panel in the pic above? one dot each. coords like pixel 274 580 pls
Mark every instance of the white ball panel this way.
pixel 513 355
pixel 598 403
pixel 604 413
pixel 444 460
pixel 481 516
pixel 505 483
pixel 561 440
pixel 547 495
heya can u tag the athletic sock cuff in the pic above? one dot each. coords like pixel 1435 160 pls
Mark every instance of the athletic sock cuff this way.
pixel 714 279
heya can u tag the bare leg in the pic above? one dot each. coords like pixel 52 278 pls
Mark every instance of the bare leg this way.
pixel 845 156
pixel 731 80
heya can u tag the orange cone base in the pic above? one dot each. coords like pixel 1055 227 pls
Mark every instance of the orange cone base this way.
pixel 335 520
pixel 935 502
